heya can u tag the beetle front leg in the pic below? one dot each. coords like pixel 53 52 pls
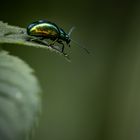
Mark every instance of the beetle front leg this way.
pixel 62 51
pixel 60 42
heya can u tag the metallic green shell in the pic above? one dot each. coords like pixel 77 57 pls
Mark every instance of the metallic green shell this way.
pixel 46 30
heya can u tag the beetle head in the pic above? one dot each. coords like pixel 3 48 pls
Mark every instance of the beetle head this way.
pixel 68 39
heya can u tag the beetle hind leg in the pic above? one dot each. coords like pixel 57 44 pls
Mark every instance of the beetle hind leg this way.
pixel 52 43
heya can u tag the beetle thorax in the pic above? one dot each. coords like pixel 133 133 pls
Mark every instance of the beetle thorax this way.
pixel 65 37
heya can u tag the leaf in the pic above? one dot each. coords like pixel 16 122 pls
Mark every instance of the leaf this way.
pixel 16 35
pixel 20 101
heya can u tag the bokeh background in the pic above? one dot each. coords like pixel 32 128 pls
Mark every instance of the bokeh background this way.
pixel 96 96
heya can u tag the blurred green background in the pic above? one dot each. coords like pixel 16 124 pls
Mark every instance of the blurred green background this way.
pixel 96 96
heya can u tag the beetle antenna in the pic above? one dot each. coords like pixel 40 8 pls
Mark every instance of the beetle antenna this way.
pixel 71 30
pixel 80 46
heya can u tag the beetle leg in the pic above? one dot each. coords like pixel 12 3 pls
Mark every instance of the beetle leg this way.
pixel 37 40
pixel 60 42
pixel 31 38
pixel 51 44
pixel 62 51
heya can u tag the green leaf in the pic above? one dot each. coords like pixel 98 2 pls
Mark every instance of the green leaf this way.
pixel 20 101
pixel 16 35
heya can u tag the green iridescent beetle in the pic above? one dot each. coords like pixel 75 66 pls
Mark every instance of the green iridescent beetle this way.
pixel 48 30
pixel 44 29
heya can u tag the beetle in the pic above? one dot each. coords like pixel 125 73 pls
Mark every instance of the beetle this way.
pixel 47 30
pixel 44 29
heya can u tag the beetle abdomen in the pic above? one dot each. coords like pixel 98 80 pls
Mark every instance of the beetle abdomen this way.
pixel 46 30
